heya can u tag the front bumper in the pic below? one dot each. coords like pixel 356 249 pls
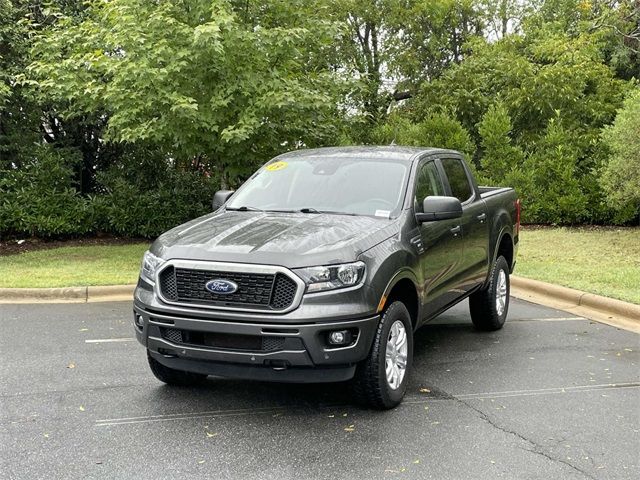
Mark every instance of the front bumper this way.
pixel 302 353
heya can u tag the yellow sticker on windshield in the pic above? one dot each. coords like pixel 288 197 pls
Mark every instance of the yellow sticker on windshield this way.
pixel 274 167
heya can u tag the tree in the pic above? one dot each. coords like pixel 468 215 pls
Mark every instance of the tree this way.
pixel 503 17
pixel 555 92
pixel 27 122
pixel 499 156
pixel 430 36
pixel 208 82
pixel 621 178
pixel 437 130
pixel 391 46
pixel 19 116
pixel 364 54
pixel 553 191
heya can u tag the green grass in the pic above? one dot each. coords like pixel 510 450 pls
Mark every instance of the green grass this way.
pixel 605 261
pixel 73 266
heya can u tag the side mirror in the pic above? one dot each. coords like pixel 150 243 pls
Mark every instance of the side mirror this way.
pixel 220 198
pixel 439 208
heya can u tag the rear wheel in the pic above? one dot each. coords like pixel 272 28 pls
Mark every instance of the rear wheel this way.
pixel 381 379
pixel 489 307
pixel 172 376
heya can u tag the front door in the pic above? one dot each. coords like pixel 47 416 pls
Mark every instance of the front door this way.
pixel 440 245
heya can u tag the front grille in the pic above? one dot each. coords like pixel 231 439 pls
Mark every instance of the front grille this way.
pixel 255 290
pixel 272 344
pixel 284 292
pixel 229 341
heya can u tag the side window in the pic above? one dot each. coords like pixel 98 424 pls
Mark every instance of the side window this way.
pixel 428 182
pixel 458 180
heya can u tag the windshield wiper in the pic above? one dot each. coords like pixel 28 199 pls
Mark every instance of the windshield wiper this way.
pixel 245 209
pixel 335 212
pixel 330 212
pixel 300 210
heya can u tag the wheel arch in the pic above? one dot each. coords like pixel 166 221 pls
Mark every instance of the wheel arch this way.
pixel 501 233
pixel 403 287
pixel 503 246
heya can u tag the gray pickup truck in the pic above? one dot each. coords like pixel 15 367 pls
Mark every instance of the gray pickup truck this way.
pixel 322 266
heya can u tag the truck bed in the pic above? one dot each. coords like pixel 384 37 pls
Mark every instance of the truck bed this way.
pixel 486 192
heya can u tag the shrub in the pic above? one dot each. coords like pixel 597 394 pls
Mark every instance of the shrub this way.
pixel 145 202
pixel 137 197
pixel 553 194
pixel 621 178
pixel 499 156
pixel 434 130
pixel 39 199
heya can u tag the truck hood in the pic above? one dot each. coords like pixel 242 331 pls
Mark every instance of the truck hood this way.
pixel 291 240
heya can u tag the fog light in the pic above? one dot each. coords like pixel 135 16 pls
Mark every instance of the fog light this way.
pixel 340 337
pixel 138 320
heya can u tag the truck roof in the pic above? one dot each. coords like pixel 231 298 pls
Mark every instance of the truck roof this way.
pixel 395 152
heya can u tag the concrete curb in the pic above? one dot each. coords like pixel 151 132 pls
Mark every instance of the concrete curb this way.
pixel 607 310
pixel 109 293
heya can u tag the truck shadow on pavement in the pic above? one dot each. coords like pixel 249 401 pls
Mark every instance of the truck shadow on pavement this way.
pixel 434 346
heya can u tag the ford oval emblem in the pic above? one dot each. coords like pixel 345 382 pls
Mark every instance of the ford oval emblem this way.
pixel 220 286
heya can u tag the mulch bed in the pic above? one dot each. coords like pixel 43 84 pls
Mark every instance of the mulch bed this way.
pixel 12 247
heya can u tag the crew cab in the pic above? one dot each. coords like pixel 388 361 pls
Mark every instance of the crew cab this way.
pixel 321 267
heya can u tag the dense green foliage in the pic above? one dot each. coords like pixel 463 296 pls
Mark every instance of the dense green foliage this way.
pixel 135 200
pixel 621 179
pixel 195 78
pixel 135 205
pixel 536 104
pixel 123 116
pixel 40 199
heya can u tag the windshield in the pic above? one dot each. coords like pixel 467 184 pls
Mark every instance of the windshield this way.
pixel 337 185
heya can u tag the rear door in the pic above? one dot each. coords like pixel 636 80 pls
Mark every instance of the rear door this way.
pixel 475 232
pixel 440 247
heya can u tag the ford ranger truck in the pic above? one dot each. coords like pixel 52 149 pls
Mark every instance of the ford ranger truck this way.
pixel 321 267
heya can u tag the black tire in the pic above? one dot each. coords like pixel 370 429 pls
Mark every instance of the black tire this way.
pixel 370 385
pixel 483 303
pixel 171 376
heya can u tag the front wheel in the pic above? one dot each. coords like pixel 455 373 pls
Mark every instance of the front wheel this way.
pixel 489 306
pixel 381 379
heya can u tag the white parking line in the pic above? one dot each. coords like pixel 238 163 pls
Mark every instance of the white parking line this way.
pixel 547 319
pixel 186 416
pixel 527 393
pixel 110 340
pixel 443 323
pixel 573 388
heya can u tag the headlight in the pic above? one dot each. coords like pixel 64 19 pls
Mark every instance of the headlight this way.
pixel 150 265
pixel 331 277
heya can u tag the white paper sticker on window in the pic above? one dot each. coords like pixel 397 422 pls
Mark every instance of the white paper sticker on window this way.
pixel 383 213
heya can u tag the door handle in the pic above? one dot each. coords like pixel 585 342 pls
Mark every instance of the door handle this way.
pixel 482 217
pixel 456 230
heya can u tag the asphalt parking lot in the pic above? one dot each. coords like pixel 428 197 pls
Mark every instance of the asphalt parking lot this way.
pixel 549 396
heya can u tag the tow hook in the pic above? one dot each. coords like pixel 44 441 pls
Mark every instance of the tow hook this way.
pixel 278 365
